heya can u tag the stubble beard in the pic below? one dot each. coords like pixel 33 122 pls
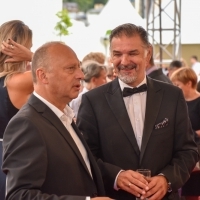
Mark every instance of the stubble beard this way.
pixel 126 78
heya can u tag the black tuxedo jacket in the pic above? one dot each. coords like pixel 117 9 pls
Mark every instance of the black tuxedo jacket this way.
pixel 167 143
pixel 42 161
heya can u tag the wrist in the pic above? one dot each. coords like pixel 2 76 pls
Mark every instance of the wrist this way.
pixel 169 188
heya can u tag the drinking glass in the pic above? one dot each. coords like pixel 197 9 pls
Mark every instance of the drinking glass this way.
pixel 147 174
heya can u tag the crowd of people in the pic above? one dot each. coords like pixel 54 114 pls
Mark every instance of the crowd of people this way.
pixel 79 130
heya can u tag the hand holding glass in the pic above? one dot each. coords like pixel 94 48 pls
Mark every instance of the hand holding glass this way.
pixel 147 174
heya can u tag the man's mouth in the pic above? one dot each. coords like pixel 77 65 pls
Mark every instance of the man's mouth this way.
pixel 77 86
pixel 126 68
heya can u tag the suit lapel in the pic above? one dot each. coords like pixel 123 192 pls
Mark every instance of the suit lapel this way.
pixel 47 113
pixel 84 144
pixel 95 171
pixel 154 98
pixel 117 105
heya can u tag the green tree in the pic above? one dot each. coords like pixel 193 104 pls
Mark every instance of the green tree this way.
pixel 100 1
pixel 85 5
pixel 63 24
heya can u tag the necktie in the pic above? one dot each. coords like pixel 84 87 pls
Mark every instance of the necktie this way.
pixel 129 91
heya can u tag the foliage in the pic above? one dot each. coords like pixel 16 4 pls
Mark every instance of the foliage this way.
pixel 64 23
pixel 100 1
pixel 85 5
pixel 108 32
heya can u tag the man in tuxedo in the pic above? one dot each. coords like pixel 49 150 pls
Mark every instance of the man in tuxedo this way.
pixel 136 122
pixel 45 157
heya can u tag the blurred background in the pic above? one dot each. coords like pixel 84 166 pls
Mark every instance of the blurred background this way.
pixel 173 25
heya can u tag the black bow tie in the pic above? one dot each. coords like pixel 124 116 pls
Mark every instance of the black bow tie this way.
pixel 129 91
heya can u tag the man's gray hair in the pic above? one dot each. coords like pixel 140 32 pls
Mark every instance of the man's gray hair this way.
pixel 130 30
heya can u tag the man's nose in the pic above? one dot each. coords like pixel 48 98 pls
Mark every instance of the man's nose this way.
pixel 125 59
pixel 80 74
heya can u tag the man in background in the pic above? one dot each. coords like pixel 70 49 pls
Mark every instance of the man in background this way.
pixel 195 65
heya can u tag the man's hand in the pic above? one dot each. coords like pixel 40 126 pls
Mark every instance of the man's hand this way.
pixel 157 188
pixel 16 51
pixel 132 182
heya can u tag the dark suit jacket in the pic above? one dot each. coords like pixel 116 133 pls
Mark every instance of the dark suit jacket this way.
pixel 2 176
pixel 42 161
pixel 104 121
pixel 158 75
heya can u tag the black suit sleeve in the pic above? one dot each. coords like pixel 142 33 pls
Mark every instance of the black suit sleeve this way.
pixel 184 150
pixel 25 162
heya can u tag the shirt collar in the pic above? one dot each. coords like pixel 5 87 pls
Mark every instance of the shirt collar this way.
pixel 123 85
pixel 84 90
pixel 68 112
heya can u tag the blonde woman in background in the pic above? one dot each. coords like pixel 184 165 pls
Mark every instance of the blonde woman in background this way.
pixel 15 81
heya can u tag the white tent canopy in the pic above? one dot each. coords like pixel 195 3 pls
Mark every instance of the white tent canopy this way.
pixel 114 13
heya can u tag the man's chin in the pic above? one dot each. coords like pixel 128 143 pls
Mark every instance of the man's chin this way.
pixel 75 96
pixel 127 79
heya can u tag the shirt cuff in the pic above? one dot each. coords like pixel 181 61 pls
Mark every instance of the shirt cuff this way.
pixel 87 198
pixel 115 183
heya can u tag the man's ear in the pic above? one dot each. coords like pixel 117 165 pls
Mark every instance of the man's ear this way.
pixel 93 80
pixel 149 53
pixel 41 75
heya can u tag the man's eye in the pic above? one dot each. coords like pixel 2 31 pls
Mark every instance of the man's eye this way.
pixel 71 69
pixel 133 53
pixel 117 54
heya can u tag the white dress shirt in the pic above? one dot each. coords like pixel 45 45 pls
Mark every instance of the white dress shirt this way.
pixel 75 103
pixel 136 107
pixel 66 118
